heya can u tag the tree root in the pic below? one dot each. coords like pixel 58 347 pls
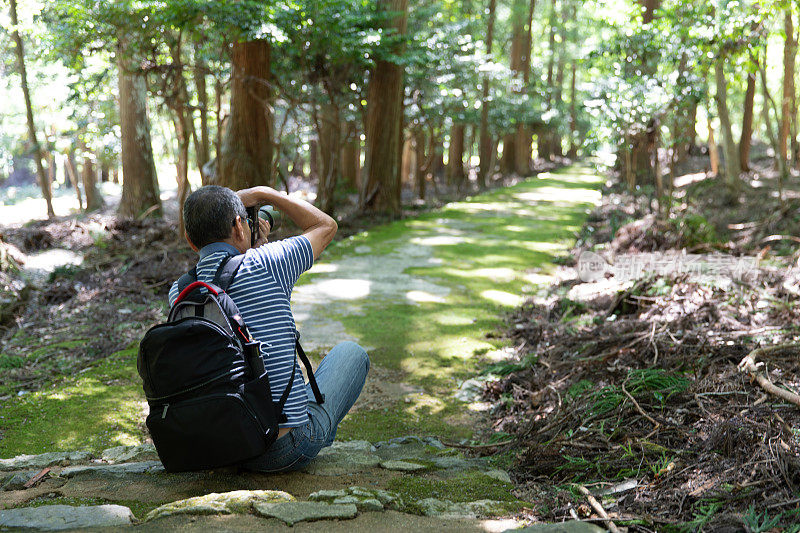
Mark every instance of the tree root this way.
pixel 750 366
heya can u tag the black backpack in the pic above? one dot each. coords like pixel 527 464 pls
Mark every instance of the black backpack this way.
pixel 204 379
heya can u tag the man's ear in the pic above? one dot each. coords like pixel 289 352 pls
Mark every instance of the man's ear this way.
pixel 237 233
pixel 191 244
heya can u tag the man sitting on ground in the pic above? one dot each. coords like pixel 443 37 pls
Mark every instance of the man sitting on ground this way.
pixel 217 226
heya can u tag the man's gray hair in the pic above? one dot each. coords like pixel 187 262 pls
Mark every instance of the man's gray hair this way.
pixel 210 212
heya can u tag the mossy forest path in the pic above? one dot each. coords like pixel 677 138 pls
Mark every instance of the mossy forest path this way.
pixel 424 295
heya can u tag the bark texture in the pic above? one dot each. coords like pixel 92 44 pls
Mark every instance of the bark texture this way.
pixel 747 122
pixel 732 170
pixel 487 145
pixel 351 156
pixel 455 157
pixel 44 182
pixel 94 200
pixel 139 181
pixel 329 130
pixel 381 189
pixel 788 99
pixel 247 144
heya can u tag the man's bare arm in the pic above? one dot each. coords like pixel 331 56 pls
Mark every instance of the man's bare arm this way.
pixel 316 225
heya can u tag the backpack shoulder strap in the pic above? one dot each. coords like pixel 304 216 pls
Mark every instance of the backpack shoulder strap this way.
pixel 187 278
pixel 227 271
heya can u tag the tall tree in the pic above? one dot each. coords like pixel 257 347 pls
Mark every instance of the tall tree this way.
pixel 202 145
pixel 487 145
pixel 732 169
pixel 747 121
pixel 788 107
pixel 44 182
pixel 94 199
pixel 517 57
pixel 247 144
pixel 456 174
pixel 524 135
pixel 140 191
pixel 380 192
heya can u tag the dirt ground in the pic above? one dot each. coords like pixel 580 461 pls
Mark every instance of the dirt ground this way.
pixel 632 389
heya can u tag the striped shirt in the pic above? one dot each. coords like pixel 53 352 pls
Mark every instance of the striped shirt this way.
pixel 261 290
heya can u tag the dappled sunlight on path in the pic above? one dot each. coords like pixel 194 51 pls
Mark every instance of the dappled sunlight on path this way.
pixel 421 294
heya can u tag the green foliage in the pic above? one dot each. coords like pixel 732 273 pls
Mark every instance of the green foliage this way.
pixel 11 361
pixel 657 382
pixel 759 522
pixel 694 230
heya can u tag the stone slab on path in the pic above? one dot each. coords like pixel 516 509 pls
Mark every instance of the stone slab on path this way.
pixel 59 517
pixel 23 462
pixel 126 454
pixel 385 522
pixel 116 470
pixel 234 502
pixel 294 512
pixel 344 458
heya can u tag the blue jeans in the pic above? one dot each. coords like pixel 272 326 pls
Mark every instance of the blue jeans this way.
pixel 340 376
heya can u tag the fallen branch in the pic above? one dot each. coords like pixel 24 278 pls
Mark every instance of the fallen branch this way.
pixel 37 478
pixel 750 365
pixel 598 508
pixel 639 408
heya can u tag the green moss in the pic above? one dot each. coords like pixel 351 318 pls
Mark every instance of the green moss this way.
pixel 93 410
pixel 139 509
pixel 468 487
pixel 51 348
pixel 500 236
pixel 402 419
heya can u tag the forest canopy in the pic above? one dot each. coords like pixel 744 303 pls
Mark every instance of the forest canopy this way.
pixel 363 97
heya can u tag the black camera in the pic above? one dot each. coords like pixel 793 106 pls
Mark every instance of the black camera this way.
pixel 268 213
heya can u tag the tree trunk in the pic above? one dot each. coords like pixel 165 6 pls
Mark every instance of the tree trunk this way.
pixel 524 135
pixel 351 156
pixel 72 173
pixel 649 9
pixel 407 162
pixel 184 130
pixel 202 149
pixel 487 144
pixel 713 152
pixel 313 159
pixel 558 98
pixel 747 122
pixel 51 167
pixel 783 170
pixel 329 130
pixel 508 159
pixel 731 154
pixel 420 169
pixel 544 139
pixel 105 172
pixel 218 92
pixel 139 181
pixel 94 200
pixel 44 183
pixel 247 144
pixel 787 102
pixel 182 161
pixel 455 156
pixel 573 118
pixel 382 161
pixel 517 58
